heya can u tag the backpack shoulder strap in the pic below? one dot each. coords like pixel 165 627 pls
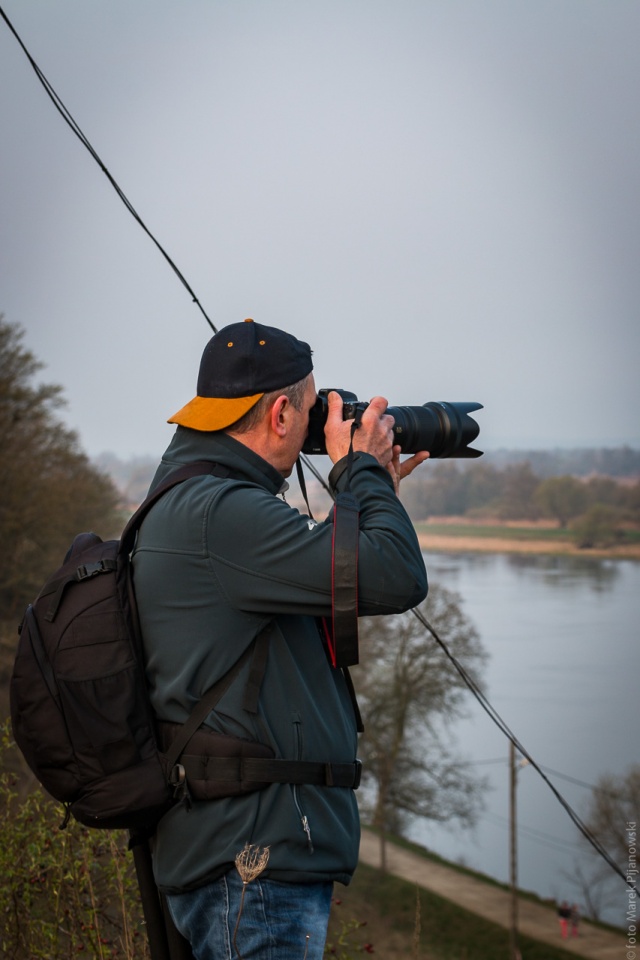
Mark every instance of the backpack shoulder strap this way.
pixel 197 468
pixel 257 653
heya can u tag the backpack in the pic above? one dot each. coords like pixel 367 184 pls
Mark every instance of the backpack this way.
pixel 80 709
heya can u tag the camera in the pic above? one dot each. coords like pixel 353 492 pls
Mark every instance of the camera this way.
pixel 444 429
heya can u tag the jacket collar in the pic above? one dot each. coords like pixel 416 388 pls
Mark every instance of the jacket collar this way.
pixel 189 445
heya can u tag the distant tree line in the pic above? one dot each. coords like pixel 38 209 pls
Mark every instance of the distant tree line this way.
pixel 479 490
pixel 595 493
pixel 582 462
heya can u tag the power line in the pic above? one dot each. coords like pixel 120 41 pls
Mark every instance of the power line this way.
pixel 532 833
pixel 500 723
pixel 69 120
pixel 581 783
pixel 477 763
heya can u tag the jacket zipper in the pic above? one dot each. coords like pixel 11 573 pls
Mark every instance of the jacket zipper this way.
pixel 297 726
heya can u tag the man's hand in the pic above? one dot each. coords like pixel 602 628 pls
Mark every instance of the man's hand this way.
pixel 399 470
pixel 374 435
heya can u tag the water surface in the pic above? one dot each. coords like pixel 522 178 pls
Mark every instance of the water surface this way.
pixel 563 673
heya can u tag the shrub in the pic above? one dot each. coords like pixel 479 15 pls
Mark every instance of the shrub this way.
pixel 598 527
pixel 63 893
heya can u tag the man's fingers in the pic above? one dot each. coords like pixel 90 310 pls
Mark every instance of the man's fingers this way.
pixel 377 407
pixel 408 466
pixel 334 412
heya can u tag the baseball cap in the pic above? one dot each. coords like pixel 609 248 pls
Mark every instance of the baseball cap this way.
pixel 241 363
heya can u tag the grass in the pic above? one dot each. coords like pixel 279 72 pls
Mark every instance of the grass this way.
pixel 485 531
pixel 477 531
pixel 426 854
pixel 386 907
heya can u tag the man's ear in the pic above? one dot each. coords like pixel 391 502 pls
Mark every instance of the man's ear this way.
pixel 279 415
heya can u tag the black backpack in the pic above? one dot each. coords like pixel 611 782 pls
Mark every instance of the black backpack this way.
pixel 80 710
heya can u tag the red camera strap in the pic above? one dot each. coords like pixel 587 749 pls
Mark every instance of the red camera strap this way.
pixel 343 636
pixel 343 645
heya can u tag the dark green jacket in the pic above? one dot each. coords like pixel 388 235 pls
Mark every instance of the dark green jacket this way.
pixel 216 560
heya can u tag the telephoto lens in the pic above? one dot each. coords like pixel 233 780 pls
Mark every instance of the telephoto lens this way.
pixel 443 428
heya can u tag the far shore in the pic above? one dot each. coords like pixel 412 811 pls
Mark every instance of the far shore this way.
pixel 454 542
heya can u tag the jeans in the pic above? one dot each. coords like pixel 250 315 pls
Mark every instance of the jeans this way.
pixel 278 921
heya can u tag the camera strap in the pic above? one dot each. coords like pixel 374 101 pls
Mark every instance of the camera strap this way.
pixel 344 581
pixel 303 485
pixel 343 635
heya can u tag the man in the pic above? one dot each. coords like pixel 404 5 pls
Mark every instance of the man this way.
pixel 221 561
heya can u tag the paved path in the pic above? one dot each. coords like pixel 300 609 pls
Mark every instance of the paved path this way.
pixel 492 903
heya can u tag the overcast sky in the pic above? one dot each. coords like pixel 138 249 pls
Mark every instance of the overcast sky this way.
pixel 441 196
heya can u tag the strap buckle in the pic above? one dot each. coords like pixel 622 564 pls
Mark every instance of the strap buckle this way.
pixel 178 780
pixel 177 775
pixel 357 777
pixel 87 570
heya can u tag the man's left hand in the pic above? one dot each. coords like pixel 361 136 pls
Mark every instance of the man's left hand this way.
pixel 401 469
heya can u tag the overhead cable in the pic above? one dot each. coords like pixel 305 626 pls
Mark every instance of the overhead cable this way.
pixel 500 723
pixel 66 115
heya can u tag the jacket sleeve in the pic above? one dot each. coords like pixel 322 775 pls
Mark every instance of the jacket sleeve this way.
pixel 267 557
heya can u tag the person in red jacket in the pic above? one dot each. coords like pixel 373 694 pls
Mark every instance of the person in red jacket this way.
pixel 564 913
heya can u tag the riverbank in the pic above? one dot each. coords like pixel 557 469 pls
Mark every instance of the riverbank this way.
pixel 459 535
pixel 487 904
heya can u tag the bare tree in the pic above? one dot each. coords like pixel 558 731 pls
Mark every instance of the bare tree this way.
pixel 613 805
pixel 408 695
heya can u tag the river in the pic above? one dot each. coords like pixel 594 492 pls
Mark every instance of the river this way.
pixel 562 637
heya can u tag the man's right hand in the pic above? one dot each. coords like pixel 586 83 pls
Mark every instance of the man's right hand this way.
pixel 374 435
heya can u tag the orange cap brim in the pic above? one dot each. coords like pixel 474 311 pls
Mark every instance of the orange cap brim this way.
pixel 214 413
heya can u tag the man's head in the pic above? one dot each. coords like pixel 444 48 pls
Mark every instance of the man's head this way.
pixel 239 365
pixel 255 383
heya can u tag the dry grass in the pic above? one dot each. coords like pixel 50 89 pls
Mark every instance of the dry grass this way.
pixel 457 535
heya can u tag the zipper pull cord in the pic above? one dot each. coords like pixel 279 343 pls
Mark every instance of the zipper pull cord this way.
pixel 307 830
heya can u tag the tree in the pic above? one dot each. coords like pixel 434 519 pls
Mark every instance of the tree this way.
pixel 624 496
pixel 600 526
pixel 520 483
pixel 447 489
pixel 562 498
pixel 484 485
pixel 611 817
pixel 409 693
pixel 614 803
pixel 50 490
pixel 436 493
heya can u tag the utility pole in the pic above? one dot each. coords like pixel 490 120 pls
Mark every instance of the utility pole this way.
pixel 514 953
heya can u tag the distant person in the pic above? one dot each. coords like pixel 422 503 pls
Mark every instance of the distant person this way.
pixel 575 919
pixel 564 914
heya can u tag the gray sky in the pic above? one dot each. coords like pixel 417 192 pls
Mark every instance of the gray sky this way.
pixel 441 196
